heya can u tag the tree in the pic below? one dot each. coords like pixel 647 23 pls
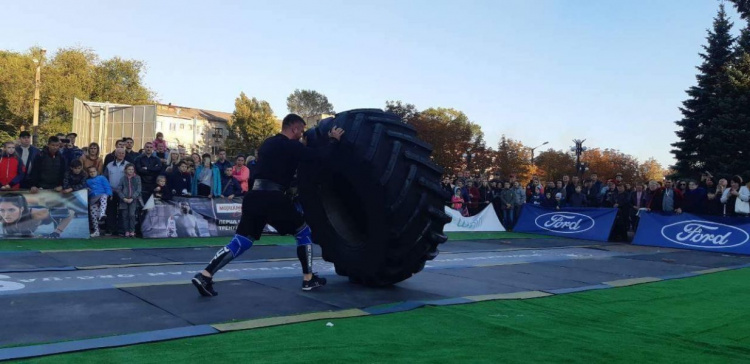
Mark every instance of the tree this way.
pixel 407 112
pixel 693 151
pixel 554 164
pixel 743 7
pixel 308 103
pixel 650 170
pixel 120 80
pixel 608 163
pixel 450 133
pixel 253 121
pixel 512 157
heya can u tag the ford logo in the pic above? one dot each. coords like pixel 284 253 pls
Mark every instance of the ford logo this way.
pixel 705 234
pixel 565 222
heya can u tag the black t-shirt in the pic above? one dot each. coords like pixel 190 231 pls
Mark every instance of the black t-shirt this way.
pixel 279 157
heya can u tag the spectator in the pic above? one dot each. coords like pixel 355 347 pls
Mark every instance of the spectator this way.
pixel 457 202
pixel 591 193
pixel 569 186
pixel 713 198
pixel 519 194
pixel 114 171
pixel 694 199
pixel 75 178
pixel 181 180
pixel 148 167
pixel 536 197
pixel 71 152
pixel 171 166
pixel 12 172
pixel 160 142
pixel 196 158
pixel 667 199
pixel 735 196
pixel 221 161
pixel 577 198
pixel 111 156
pixel 48 168
pixel 182 151
pixel 682 187
pixel 638 200
pixel 230 187
pixel 207 179
pixel 241 173
pixel 162 192
pixel 27 153
pixel 92 159
pixel 129 191
pixel 548 200
pixel 252 165
pixel 507 199
pixel 473 200
pixel 99 192
pixel 130 154
pixel 608 194
pixel 618 179
pixel 622 203
pixel 162 153
pixel 596 184
pixel 485 195
pixel 446 185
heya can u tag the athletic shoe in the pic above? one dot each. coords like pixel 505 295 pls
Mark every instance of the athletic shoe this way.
pixel 314 282
pixel 205 285
pixel 95 234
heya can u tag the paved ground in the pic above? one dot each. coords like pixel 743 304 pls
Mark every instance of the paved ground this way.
pixel 61 296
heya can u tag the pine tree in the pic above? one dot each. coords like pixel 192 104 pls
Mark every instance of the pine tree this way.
pixel 695 144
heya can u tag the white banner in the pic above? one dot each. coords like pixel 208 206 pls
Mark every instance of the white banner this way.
pixel 484 221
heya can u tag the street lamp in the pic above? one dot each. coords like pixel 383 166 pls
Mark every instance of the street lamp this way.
pixel 532 151
pixel 37 85
pixel 467 156
pixel 578 150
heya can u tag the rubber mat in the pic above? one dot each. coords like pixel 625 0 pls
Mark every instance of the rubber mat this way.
pixel 505 275
pixel 105 257
pixel 25 261
pixel 695 258
pixel 626 267
pixel 204 254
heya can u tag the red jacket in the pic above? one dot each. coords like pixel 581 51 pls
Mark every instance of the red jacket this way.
pixel 12 171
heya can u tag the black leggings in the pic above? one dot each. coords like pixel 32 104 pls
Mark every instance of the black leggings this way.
pixel 204 190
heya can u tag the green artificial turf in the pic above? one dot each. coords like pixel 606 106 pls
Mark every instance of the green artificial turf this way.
pixel 695 320
pixel 125 243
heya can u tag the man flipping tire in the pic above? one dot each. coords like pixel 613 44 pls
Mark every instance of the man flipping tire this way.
pixel 268 203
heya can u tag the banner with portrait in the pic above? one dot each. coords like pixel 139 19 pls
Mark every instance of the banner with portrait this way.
pixel 26 215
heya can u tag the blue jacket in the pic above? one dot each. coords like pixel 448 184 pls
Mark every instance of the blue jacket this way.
pixel 230 186
pixel 215 180
pixel 178 181
pixel 99 185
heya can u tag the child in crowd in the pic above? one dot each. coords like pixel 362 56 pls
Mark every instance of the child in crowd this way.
pixel 180 180
pixel 577 199
pixel 162 192
pixel 458 202
pixel 159 141
pixel 75 178
pixel 129 191
pixel 12 170
pixel 230 187
pixel 99 193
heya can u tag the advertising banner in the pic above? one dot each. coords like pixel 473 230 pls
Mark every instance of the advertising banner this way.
pixel 484 221
pixel 577 223
pixel 688 231
pixel 192 217
pixel 25 215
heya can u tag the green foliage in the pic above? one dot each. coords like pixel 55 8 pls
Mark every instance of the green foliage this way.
pixel 308 103
pixel 743 7
pixel 253 121
pixel 69 73
pixel 407 112
pixel 512 157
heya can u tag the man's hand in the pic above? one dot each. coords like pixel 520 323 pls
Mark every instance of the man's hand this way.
pixel 678 211
pixel 336 133
pixel 6 187
pixel 59 188
pixel 230 197
pixel 34 190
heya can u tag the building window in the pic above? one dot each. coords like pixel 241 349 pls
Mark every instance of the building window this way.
pixel 218 132
pixel 182 126
pixel 190 127
pixel 172 127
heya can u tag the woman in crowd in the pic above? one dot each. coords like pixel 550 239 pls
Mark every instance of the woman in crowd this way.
pixel 694 199
pixel 732 194
pixel 171 166
pixel 92 159
pixel 241 173
pixel 207 179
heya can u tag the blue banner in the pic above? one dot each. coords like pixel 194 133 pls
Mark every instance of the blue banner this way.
pixel 578 223
pixel 688 231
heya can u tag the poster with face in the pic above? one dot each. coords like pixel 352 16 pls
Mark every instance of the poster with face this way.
pixel 25 215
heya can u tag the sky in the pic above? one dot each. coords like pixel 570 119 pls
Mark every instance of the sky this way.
pixel 611 72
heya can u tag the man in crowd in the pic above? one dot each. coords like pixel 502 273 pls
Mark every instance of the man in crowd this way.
pixel 114 171
pixel 130 154
pixel 71 152
pixel 148 166
pixel 48 167
pixel 666 199
pixel 27 153
pixel 222 162
pixel 120 144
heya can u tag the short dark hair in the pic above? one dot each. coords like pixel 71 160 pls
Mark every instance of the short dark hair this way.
pixel 206 155
pixel 125 139
pixel 75 163
pixel 181 163
pixel 291 119
pixel 53 139
pixel 221 150
pixel 24 134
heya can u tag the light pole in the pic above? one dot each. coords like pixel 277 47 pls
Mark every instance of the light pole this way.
pixel 579 149
pixel 467 156
pixel 532 151
pixel 37 85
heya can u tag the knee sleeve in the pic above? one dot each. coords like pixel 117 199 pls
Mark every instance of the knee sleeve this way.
pixel 239 244
pixel 304 236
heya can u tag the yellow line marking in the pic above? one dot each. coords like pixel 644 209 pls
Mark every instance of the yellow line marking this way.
pixel 283 320
pixel 712 270
pixel 632 281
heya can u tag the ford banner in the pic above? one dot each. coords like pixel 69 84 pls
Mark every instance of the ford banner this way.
pixel 688 231
pixel 578 223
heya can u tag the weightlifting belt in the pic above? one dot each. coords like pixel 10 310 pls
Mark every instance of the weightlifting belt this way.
pixel 267 185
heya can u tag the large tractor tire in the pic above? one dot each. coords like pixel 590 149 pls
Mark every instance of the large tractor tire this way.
pixel 376 205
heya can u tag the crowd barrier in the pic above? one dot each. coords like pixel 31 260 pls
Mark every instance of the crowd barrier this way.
pixel 579 223
pixel 697 232
pixel 25 215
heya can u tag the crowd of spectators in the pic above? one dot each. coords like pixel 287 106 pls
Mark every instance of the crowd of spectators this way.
pixel 119 184
pixel 707 196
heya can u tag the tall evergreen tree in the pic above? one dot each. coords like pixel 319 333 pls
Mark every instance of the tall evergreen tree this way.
pixel 694 149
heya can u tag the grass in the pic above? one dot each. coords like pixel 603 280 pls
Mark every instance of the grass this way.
pixel 696 320
pixel 122 243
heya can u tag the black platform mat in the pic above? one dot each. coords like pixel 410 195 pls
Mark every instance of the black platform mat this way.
pixel 105 257
pixel 453 286
pixel 28 261
pixel 237 300
pixel 45 317
pixel 507 276
pixel 694 258
pixel 574 274
pixel 630 268
pixel 341 293
pixel 204 254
